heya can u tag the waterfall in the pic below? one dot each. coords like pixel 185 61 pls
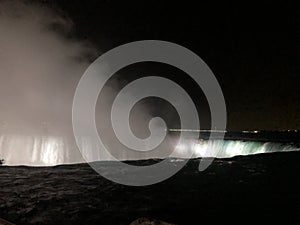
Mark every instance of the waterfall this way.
pixel 50 150
pixel 231 148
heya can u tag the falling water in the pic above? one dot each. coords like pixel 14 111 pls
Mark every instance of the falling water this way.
pixel 49 151
pixel 39 71
pixel 229 148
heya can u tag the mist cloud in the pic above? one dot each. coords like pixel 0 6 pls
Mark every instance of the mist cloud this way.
pixel 39 70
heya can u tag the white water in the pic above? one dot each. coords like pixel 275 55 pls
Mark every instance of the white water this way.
pixel 39 71
pixel 228 148
pixel 37 150
pixel 49 151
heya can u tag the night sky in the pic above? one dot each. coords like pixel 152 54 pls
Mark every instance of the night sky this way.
pixel 253 50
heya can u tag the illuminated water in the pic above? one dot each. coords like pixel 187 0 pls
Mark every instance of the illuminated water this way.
pixel 49 151
pixel 229 148
pixel 37 150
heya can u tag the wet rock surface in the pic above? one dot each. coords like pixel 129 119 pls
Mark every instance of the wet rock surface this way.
pixel 237 190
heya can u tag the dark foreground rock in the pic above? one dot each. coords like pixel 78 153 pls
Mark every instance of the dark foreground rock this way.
pixel 241 190
pixel 146 221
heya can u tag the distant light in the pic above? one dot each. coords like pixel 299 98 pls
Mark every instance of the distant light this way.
pixel 251 131
pixel 191 130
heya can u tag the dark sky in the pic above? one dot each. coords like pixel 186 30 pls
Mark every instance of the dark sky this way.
pixel 252 49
